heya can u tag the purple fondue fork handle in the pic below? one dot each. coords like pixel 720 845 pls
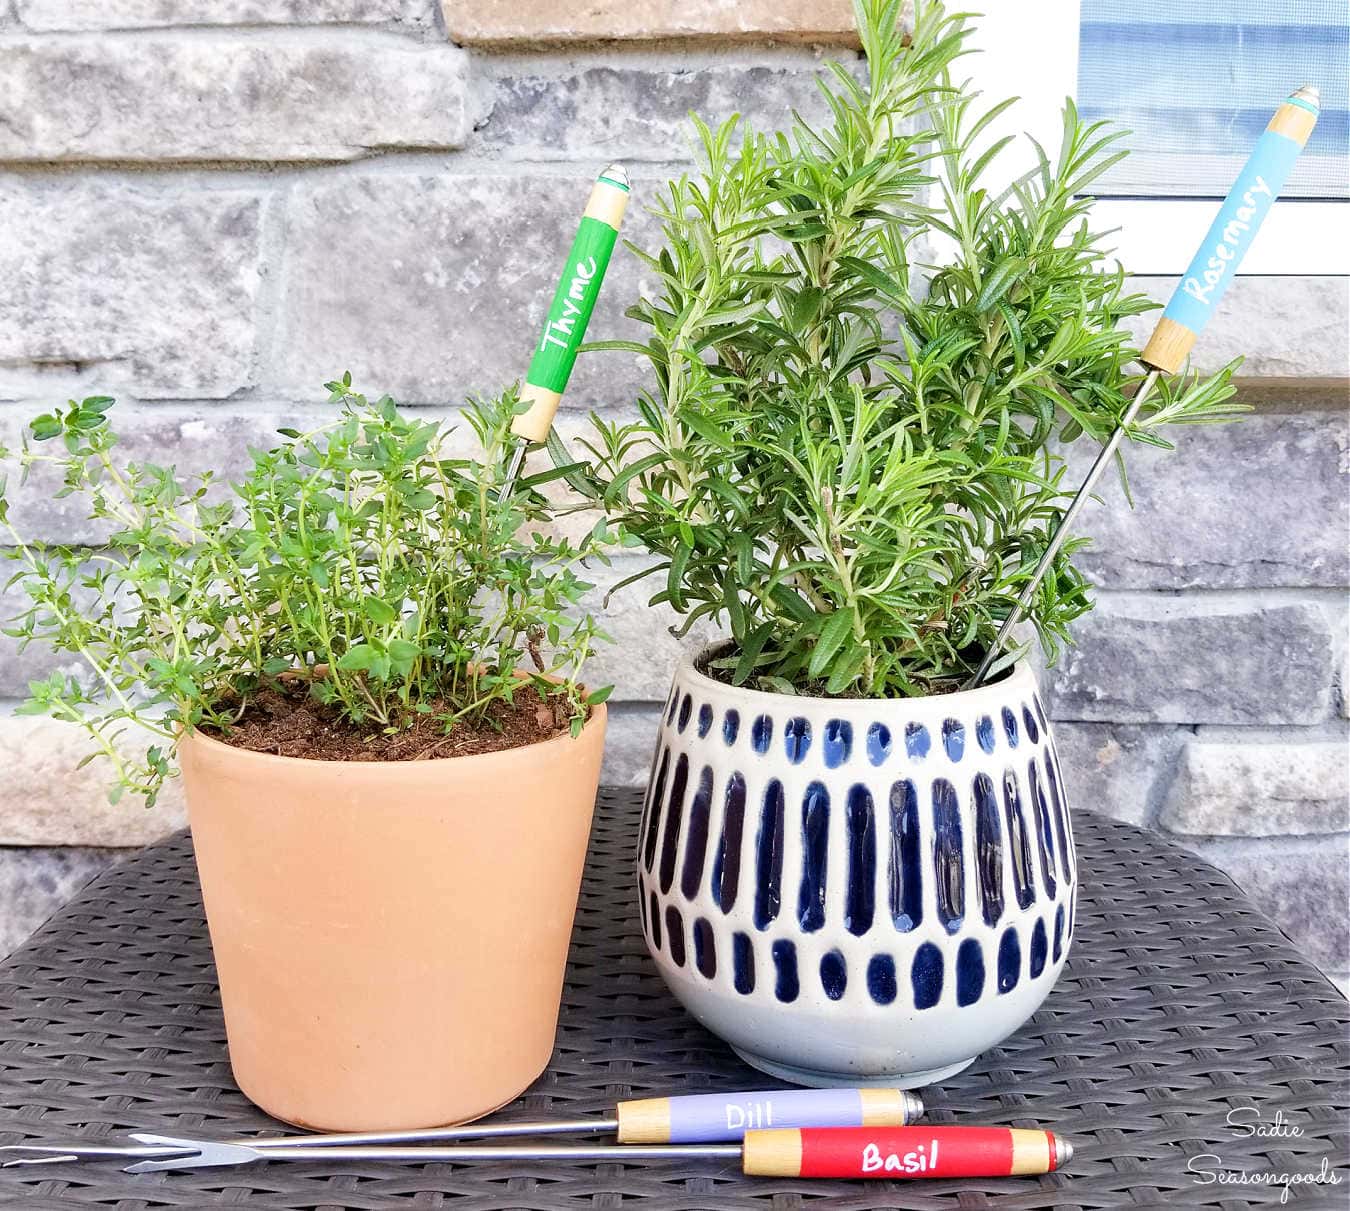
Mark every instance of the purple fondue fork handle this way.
pixel 709 1117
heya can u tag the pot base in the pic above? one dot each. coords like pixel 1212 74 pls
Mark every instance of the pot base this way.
pixel 328 1128
pixel 817 1078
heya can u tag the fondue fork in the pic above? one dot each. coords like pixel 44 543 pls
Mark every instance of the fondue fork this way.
pixel 1191 306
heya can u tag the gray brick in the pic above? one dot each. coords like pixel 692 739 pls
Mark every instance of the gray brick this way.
pixel 442 284
pixel 1281 326
pixel 47 801
pixel 1262 502
pixel 191 440
pixel 1199 659
pixel 75 15
pixel 1244 788
pixel 629 739
pixel 642 658
pixel 159 288
pixel 1116 770
pixel 227 98
pixel 34 883
pixel 1303 886
pixel 642 111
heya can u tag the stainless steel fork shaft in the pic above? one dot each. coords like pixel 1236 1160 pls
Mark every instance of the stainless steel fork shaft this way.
pixel 1016 614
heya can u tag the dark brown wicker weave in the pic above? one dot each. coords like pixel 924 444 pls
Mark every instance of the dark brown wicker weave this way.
pixel 1180 1003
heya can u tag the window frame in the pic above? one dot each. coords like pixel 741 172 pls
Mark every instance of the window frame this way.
pixel 1037 60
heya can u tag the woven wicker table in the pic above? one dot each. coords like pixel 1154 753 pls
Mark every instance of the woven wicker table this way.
pixel 1180 1003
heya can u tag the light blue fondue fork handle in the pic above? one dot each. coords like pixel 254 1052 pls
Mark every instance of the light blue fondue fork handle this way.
pixel 1231 234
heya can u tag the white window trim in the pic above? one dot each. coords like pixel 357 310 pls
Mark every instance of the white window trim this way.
pixel 1031 51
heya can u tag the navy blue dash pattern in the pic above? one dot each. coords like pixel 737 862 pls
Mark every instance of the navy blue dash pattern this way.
pixel 675 934
pixel 878 743
pixel 726 875
pixel 861 828
pixel 1063 830
pixel 925 976
pixel 674 816
pixel 654 805
pixel 1038 948
pixel 769 856
pixel 833 975
pixel 1044 840
pixel 1019 844
pixel 906 865
pixel 988 849
pixel 815 857
pixel 743 963
pixel 696 844
pixel 705 948
pixel 837 743
pixel 796 739
pixel 969 972
pixel 881 979
pixel 786 985
pixel 1009 960
pixel 948 856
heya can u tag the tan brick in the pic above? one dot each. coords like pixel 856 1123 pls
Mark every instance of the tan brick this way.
pixel 487 22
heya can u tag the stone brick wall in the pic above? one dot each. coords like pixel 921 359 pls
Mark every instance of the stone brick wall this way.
pixel 211 207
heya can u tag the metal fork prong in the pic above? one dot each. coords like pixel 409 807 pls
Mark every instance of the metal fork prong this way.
pixel 50 1154
pixel 56 1156
pixel 193 1154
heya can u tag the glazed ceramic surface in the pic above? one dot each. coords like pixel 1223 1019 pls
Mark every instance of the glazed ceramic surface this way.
pixel 852 890
pixel 390 937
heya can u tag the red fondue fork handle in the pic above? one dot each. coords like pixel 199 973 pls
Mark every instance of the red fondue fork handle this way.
pixel 902 1152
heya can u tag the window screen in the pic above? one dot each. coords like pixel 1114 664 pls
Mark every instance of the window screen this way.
pixel 1196 81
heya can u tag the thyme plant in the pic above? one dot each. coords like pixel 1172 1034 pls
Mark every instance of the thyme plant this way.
pixel 850 457
pixel 362 559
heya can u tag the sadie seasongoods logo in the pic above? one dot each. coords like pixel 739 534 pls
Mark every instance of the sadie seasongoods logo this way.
pixel 1245 1122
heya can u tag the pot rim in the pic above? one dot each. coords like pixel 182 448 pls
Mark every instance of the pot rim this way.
pixel 503 756
pixel 1019 678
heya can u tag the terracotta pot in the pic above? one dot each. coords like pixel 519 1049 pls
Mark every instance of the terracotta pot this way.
pixel 390 937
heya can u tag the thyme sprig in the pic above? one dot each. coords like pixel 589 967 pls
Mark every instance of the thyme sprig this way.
pixel 365 559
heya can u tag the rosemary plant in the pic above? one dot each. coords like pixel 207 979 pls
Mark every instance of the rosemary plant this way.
pixel 851 458
pixel 361 559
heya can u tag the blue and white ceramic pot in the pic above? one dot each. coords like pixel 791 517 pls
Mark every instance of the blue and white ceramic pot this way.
pixel 855 891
